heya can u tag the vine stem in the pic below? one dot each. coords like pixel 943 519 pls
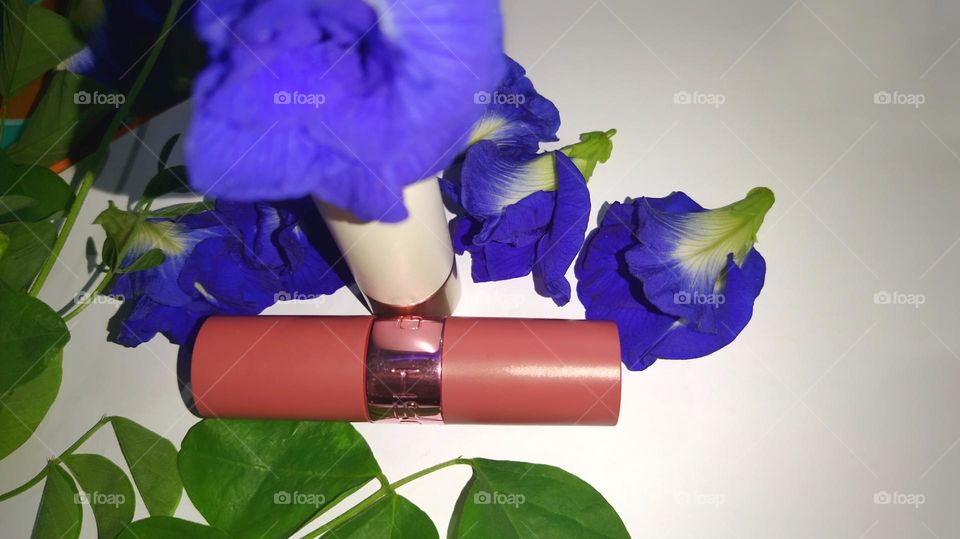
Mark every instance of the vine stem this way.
pixel 88 299
pixel 98 157
pixel 379 494
pixel 67 452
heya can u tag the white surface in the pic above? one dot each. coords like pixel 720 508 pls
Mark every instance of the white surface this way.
pixel 825 399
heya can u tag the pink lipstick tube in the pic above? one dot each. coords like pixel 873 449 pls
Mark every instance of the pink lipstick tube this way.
pixel 406 369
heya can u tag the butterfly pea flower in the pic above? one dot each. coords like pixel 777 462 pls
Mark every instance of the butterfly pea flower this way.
pixel 236 259
pixel 347 100
pixel 679 280
pixel 521 215
pixel 516 117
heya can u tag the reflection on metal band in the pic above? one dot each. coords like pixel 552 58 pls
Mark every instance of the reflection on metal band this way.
pixel 403 370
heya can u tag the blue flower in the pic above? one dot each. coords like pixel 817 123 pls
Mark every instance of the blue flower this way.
pixel 347 100
pixel 521 215
pixel 237 258
pixel 120 34
pixel 679 280
pixel 516 117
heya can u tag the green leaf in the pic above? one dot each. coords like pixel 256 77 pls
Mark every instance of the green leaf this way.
pixel 518 499
pixel 35 40
pixel 167 180
pixel 594 147
pixel 22 409
pixel 149 259
pixel 47 192
pixel 30 334
pixel 106 489
pixel 152 460
pixel 4 243
pixel 166 151
pixel 179 210
pixel 279 473
pixel 60 125
pixel 30 244
pixel 118 224
pixel 60 515
pixel 170 528
pixel 11 204
pixel 393 517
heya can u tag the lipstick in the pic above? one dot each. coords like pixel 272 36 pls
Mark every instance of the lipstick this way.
pixel 401 268
pixel 405 369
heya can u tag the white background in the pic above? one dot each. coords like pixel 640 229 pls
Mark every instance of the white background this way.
pixel 823 401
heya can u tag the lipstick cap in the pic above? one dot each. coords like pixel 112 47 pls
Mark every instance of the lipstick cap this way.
pixel 514 370
pixel 280 367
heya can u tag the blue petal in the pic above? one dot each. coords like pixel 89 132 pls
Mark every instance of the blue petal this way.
pixel 397 81
pixel 500 261
pixel 618 280
pixel 517 118
pixel 743 286
pixel 557 249
pixel 492 179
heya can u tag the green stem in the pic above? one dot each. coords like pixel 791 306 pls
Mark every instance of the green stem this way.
pixel 384 490
pixel 46 469
pixel 97 160
pixel 88 299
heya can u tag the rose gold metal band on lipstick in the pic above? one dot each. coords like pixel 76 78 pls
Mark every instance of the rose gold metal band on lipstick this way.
pixel 403 370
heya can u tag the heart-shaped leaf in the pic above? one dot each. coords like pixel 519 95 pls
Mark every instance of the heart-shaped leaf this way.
pixel 107 490
pixel 30 335
pixel 519 499
pixel 392 517
pixel 60 514
pixel 170 528
pixel 24 408
pixel 30 244
pixel 47 193
pixel 152 460
pixel 35 40
pixel 62 124
pixel 279 473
